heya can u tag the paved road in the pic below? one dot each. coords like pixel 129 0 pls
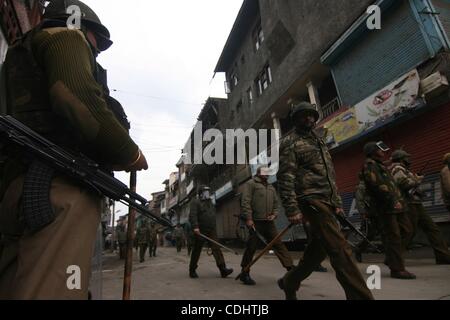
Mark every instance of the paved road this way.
pixel 166 277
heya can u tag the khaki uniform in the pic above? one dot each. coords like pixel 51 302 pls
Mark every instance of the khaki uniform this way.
pixel 396 226
pixel 202 215
pixel 306 181
pixel 143 239
pixel 59 95
pixel 259 201
pixel 370 221
pixel 408 182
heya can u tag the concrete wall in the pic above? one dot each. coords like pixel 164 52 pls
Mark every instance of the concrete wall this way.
pixel 296 34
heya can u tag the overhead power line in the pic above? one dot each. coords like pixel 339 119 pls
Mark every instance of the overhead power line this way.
pixel 157 98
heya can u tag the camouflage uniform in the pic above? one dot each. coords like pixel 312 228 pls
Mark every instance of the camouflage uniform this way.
pixel 306 181
pixel 408 183
pixel 370 222
pixel 259 201
pixel 397 229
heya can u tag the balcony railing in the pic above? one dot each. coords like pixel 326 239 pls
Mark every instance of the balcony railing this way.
pixel 330 108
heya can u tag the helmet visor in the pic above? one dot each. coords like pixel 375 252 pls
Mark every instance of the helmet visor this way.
pixel 382 146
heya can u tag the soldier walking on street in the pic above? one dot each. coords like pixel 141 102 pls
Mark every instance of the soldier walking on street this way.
pixel 390 207
pixel 408 183
pixel 122 240
pixel 178 234
pixel 307 185
pixel 259 205
pixel 153 243
pixel 202 218
pixel 143 238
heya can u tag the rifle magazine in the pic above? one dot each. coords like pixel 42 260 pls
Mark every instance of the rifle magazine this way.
pixel 37 209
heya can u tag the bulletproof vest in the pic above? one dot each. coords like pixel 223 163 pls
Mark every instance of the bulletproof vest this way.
pixel 28 96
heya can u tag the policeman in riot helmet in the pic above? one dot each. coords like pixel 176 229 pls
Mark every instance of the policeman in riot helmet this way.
pixel 307 186
pixel 54 87
pixel 409 184
pixel 390 207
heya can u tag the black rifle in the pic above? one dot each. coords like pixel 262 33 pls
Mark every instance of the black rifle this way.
pixel 345 222
pixel 48 158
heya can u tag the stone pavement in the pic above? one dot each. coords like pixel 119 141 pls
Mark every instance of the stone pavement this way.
pixel 165 277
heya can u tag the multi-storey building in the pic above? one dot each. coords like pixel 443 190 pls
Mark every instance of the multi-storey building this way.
pixel 367 84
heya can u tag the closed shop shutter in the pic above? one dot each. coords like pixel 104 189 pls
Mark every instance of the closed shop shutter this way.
pixel 226 221
pixel 426 137
pixel 380 57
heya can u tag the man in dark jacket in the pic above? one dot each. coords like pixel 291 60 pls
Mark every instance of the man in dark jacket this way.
pixel 202 218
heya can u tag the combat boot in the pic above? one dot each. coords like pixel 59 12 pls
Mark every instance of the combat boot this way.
pixel 402 275
pixel 225 272
pixel 289 295
pixel 193 274
pixel 246 279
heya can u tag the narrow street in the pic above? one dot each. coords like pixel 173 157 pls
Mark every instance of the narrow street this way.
pixel 165 277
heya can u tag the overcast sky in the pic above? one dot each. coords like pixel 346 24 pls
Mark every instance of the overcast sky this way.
pixel 162 62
